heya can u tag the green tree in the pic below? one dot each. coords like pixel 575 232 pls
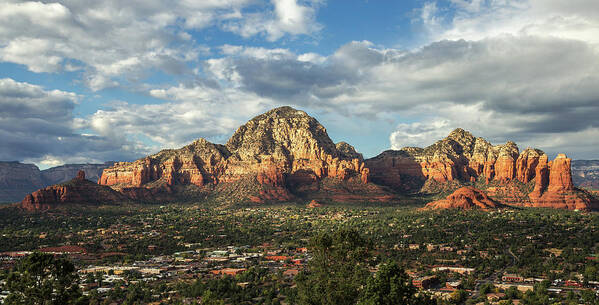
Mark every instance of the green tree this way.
pixel 43 279
pixel 338 270
pixel 391 286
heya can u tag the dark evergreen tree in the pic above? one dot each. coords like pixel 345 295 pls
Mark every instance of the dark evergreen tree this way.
pixel 43 279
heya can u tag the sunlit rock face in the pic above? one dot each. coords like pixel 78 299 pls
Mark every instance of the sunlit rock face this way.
pixel 282 150
pixel 465 198
pixel 463 158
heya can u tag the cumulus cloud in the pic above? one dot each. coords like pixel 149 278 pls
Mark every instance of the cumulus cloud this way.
pixel 118 42
pixel 506 70
pixel 287 17
pixel 503 87
pixel 37 125
pixel 476 19
pixel 189 112
pixel 538 91
pixel 419 134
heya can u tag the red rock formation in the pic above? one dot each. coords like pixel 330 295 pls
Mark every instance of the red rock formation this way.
pixel 463 158
pixel 459 157
pixel 80 175
pixel 199 163
pixel 284 150
pixel 465 198
pixel 314 204
pixel 77 191
pixel 526 164
pixel 505 165
pixel 554 187
pixel 560 175
pixel 541 178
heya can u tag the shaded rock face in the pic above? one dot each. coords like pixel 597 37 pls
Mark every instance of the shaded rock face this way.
pixel 18 179
pixel 284 149
pixel 465 158
pixel 585 174
pixel 66 172
pixel 466 198
pixel 77 191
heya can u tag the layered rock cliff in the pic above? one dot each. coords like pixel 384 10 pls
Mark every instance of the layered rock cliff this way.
pixel 503 171
pixel 554 187
pixel 465 198
pixel 77 191
pixel 286 151
pixel 460 156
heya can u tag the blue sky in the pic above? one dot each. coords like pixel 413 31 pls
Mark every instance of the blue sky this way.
pixel 90 81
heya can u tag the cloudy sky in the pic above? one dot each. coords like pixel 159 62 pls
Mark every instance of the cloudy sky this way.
pixel 90 81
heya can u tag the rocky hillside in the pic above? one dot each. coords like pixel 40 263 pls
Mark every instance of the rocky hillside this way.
pixel 76 191
pixel 585 174
pixel 280 155
pixel 524 178
pixel 465 198
pixel 18 179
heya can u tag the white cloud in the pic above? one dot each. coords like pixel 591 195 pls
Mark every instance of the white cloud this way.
pixel 476 20
pixel 287 17
pixel 419 134
pixel 37 125
pixel 119 42
pixel 190 112
pixel 504 87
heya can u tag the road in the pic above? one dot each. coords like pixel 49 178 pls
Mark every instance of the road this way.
pixel 495 276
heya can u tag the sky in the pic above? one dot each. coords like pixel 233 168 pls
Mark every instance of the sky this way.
pixel 91 81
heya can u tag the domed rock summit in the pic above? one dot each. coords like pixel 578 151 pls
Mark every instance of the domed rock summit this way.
pixel 465 198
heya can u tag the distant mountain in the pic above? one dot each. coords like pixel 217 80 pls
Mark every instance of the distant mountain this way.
pixel 585 173
pixel 18 179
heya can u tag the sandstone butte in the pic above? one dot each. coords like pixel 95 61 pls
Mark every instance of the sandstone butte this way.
pixel 280 154
pixel 77 191
pixel 466 198
pixel 314 204
pixel 287 155
pixel 501 170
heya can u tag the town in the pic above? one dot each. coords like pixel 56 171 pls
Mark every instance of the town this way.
pixel 176 253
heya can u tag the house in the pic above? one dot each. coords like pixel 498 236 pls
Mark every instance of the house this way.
pixel 424 282
pixel 228 271
pixel 64 250
pixel 514 278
